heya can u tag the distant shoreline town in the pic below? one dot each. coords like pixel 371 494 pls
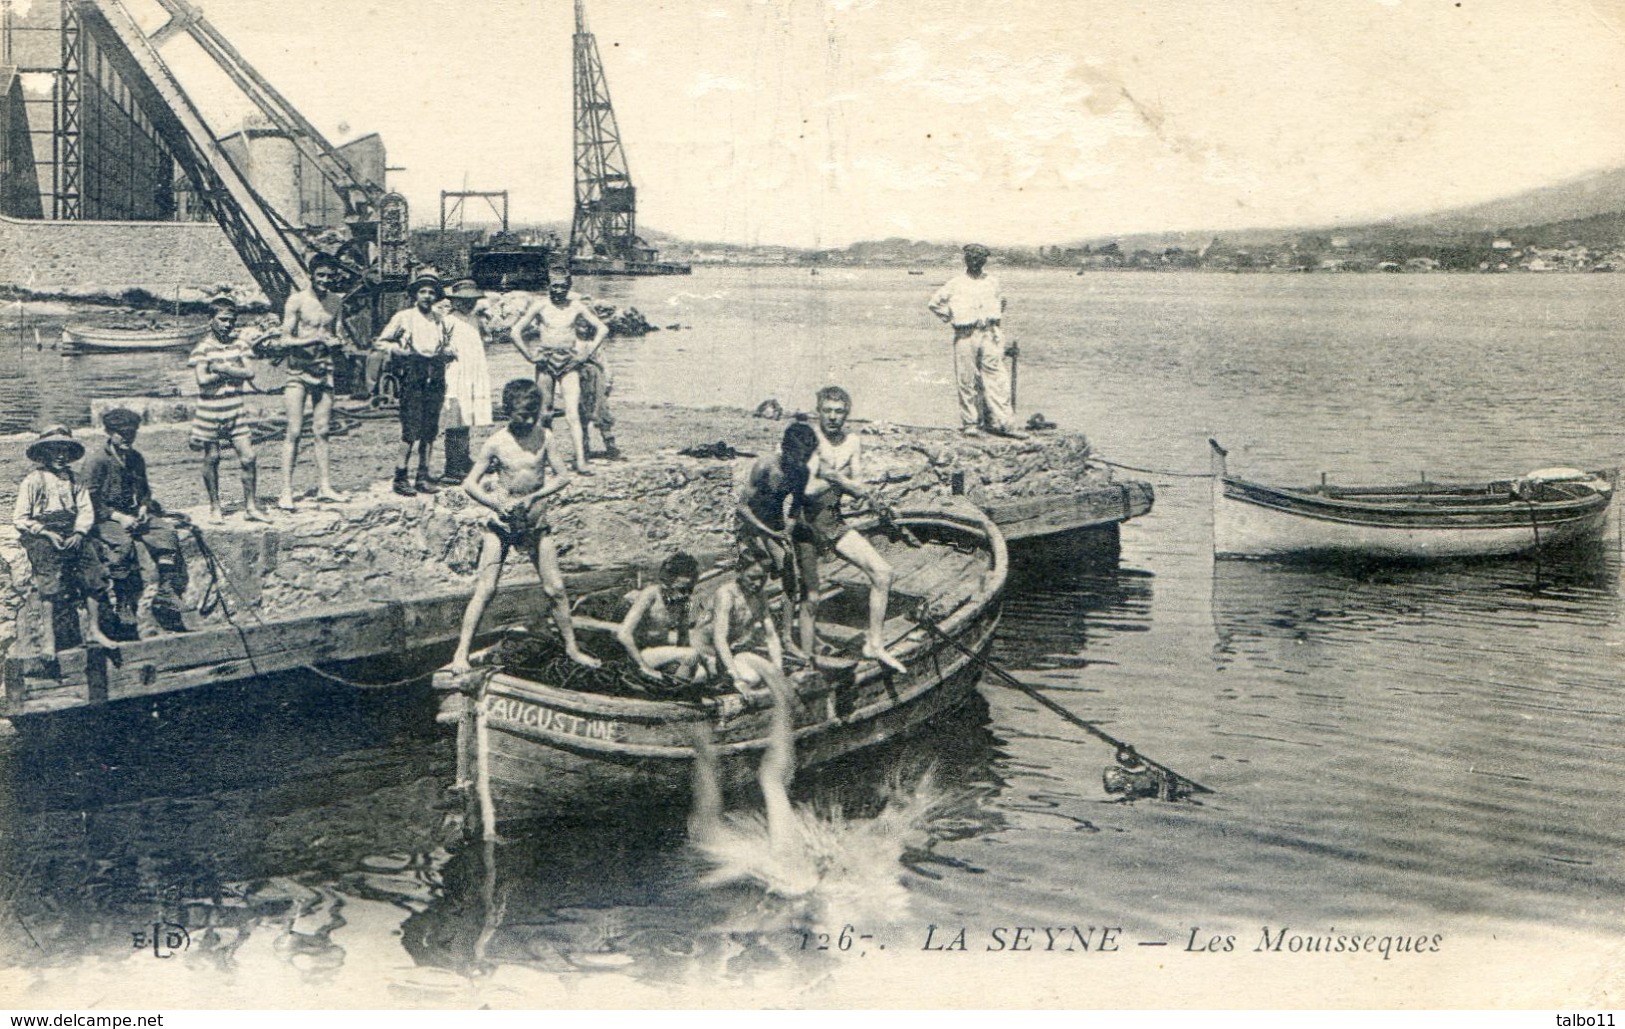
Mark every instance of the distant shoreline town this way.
pixel 1299 252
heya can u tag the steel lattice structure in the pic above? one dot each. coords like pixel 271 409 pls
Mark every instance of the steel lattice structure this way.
pixel 605 223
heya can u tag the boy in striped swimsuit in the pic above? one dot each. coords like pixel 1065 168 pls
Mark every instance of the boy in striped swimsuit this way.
pixel 220 362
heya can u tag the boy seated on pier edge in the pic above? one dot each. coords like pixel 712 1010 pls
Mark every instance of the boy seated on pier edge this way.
pixel 128 521
pixel 516 460
pixel 54 516
pixel 821 527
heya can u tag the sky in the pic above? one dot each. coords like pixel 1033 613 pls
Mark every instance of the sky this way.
pixel 821 122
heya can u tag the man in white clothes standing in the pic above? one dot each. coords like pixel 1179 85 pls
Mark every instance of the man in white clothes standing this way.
pixel 974 305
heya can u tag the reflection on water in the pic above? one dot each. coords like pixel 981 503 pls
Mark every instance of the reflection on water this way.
pixel 1430 747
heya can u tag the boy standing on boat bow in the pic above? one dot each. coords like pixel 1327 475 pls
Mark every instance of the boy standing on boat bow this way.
pixel 821 528
pixel 516 458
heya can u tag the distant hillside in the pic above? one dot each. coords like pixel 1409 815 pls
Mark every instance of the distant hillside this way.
pixel 1601 193
pixel 1589 209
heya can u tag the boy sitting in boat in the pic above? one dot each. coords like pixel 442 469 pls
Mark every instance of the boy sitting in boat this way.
pixel 516 459
pixel 54 516
pixel 746 640
pixel 659 631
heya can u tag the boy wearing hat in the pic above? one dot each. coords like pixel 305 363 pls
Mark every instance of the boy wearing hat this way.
pixel 126 517
pixel 973 304
pixel 419 339
pixel 54 516
pixel 468 380
pixel 310 325
pixel 220 363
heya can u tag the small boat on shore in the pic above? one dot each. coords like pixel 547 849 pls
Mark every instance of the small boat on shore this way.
pixel 132 338
pixel 1550 508
pixel 550 737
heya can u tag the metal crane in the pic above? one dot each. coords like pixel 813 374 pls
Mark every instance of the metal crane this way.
pixel 274 251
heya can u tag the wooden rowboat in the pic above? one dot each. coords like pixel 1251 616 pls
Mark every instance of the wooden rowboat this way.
pixel 131 339
pixel 552 738
pixel 1551 508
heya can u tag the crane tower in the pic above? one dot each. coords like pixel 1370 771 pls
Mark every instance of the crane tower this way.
pixel 605 225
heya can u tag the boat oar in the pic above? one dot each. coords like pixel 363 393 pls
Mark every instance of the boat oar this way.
pixel 1130 759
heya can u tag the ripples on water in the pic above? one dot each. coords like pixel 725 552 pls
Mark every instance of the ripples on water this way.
pixel 1389 747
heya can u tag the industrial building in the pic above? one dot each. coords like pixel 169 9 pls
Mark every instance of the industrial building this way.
pixel 75 144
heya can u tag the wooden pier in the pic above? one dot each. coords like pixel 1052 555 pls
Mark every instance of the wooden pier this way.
pixel 373 590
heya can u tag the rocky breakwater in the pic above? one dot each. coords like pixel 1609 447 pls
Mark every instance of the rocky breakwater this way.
pixel 380 549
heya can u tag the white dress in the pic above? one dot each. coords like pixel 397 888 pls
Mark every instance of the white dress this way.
pixel 468 379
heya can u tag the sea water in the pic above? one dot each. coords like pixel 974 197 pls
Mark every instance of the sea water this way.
pixel 1424 748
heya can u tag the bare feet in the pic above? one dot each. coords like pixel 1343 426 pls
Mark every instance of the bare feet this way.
pixel 459 665
pixel 255 514
pixel 884 656
pixel 582 469
pixel 331 495
pixel 285 502
pixel 216 516
pixel 582 658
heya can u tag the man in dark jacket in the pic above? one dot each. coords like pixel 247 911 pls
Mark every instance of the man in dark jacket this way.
pixel 115 475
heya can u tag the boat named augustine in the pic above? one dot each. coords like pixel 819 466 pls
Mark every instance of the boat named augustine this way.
pixel 550 735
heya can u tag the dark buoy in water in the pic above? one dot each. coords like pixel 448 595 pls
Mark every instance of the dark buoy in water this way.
pixel 1132 779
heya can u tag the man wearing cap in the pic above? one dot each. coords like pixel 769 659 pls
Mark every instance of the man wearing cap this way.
pixel 127 517
pixel 310 335
pixel 54 515
pixel 468 380
pixel 420 341
pixel 220 362
pixel 973 304
pixel 560 353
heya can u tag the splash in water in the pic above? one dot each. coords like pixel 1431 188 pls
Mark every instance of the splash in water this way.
pixel 822 860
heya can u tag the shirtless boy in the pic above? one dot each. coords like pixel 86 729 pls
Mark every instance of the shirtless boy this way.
pixel 821 528
pixel 658 632
pixel 746 640
pixel 309 337
pixel 761 532
pixel 559 354
pixel 516 460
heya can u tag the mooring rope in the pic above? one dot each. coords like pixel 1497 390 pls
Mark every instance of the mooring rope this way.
pixel 1152 471
pixel 219 576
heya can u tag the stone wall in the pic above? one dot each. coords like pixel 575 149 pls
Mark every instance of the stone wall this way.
pixel 107 258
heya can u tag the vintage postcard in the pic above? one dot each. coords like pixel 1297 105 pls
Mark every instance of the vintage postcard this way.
pixel 811 504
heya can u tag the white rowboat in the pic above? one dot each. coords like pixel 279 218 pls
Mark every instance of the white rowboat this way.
pixel 1551 508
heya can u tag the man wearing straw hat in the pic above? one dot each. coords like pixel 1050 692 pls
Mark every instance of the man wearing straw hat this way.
pixel 54 516
pixel 420 341
pixel 974 305
pixel 310 326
